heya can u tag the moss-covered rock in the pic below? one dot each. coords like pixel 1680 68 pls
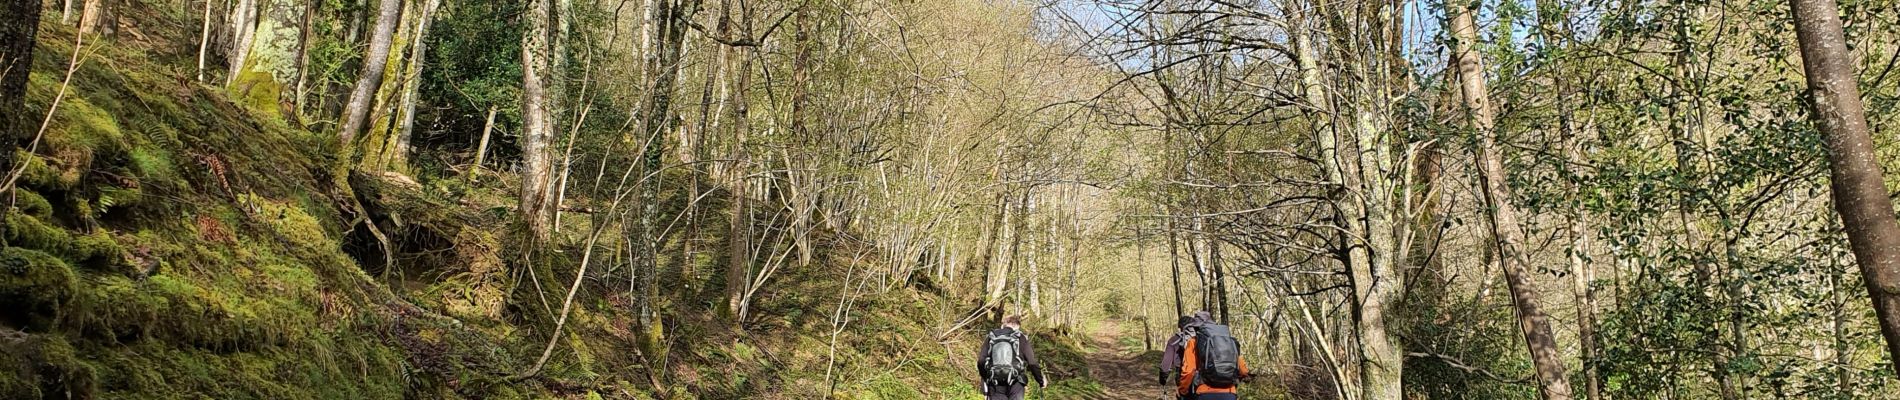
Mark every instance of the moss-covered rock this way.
pixel 36 287
pixel 98 250
pixel 32 204
pixel 36 173
pixel 23 230
pixel 43 366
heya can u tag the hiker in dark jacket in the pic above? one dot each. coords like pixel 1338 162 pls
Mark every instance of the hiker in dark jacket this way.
pixel 1171 354
pixel 1009 378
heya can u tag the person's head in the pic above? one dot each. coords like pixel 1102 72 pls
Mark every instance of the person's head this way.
pixel 1184 322
pixel 1013 321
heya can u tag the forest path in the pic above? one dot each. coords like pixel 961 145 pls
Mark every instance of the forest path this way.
pixel 1119 367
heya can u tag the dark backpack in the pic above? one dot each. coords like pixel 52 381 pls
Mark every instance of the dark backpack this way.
pixel 1006 366
pixel 1219 356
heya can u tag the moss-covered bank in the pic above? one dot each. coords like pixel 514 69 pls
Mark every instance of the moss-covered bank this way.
pixel 171 239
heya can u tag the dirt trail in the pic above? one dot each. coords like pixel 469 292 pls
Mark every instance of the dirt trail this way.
pixel 1122 374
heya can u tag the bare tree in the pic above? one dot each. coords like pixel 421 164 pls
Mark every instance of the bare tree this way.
pixel 1860 197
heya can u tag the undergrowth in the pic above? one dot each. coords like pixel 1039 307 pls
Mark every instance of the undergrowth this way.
pixel 178 239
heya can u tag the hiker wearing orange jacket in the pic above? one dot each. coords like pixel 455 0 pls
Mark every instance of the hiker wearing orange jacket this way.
pixel 1189 386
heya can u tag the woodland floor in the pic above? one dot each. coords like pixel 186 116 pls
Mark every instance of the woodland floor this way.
pixel 1119 367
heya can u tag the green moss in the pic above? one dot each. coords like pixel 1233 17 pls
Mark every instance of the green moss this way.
pixel 36 286
pixel 80 130
pixel 155 165
pixel 98 250
pixel 287 219
pixel 119 308
pixel 257 90
pixel 80 124
pixel 32 204
pixel 37 173
pixel 45 366
pixel 111 197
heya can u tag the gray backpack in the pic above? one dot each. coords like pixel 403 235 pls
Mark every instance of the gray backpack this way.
pixel 1006 366
pixel 1219 356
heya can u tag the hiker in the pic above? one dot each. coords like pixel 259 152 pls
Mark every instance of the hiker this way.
pixel 1211 365
pixel 1171 354
pixel 1006 361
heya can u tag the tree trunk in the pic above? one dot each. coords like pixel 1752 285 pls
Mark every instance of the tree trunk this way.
pixel 1376 284
pixel 693 149
pixel 806 198
pixel 537 120
pixel 243 26
pixel 16 62
pixel 204 39
pixel 1017 226
pixel 1034 277
pixel 300 87
pixel 1583 278
pixel 269 50
pixel 659 121
pixel 1196 254
pixel 1141 285
pixel 1508 236
pixel 991 231
pixel 1859 195
pixel 738 235
pixel 94 16
pixel 1220 281
pixel 398 157
pixel 481 148
pixel 534 63
pixel 1174 259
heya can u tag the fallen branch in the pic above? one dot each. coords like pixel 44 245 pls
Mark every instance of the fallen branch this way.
pixel 567 305
pixel 967 320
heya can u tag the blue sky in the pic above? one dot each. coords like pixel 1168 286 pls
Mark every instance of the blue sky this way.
pixel 1421 19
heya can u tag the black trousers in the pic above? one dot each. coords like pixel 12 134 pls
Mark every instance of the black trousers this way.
pixel 1011 392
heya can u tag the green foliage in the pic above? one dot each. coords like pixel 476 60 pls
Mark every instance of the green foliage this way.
pixel 1486 336
pixel 474 63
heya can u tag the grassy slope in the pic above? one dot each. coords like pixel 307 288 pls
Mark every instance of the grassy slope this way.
pixel 168 242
